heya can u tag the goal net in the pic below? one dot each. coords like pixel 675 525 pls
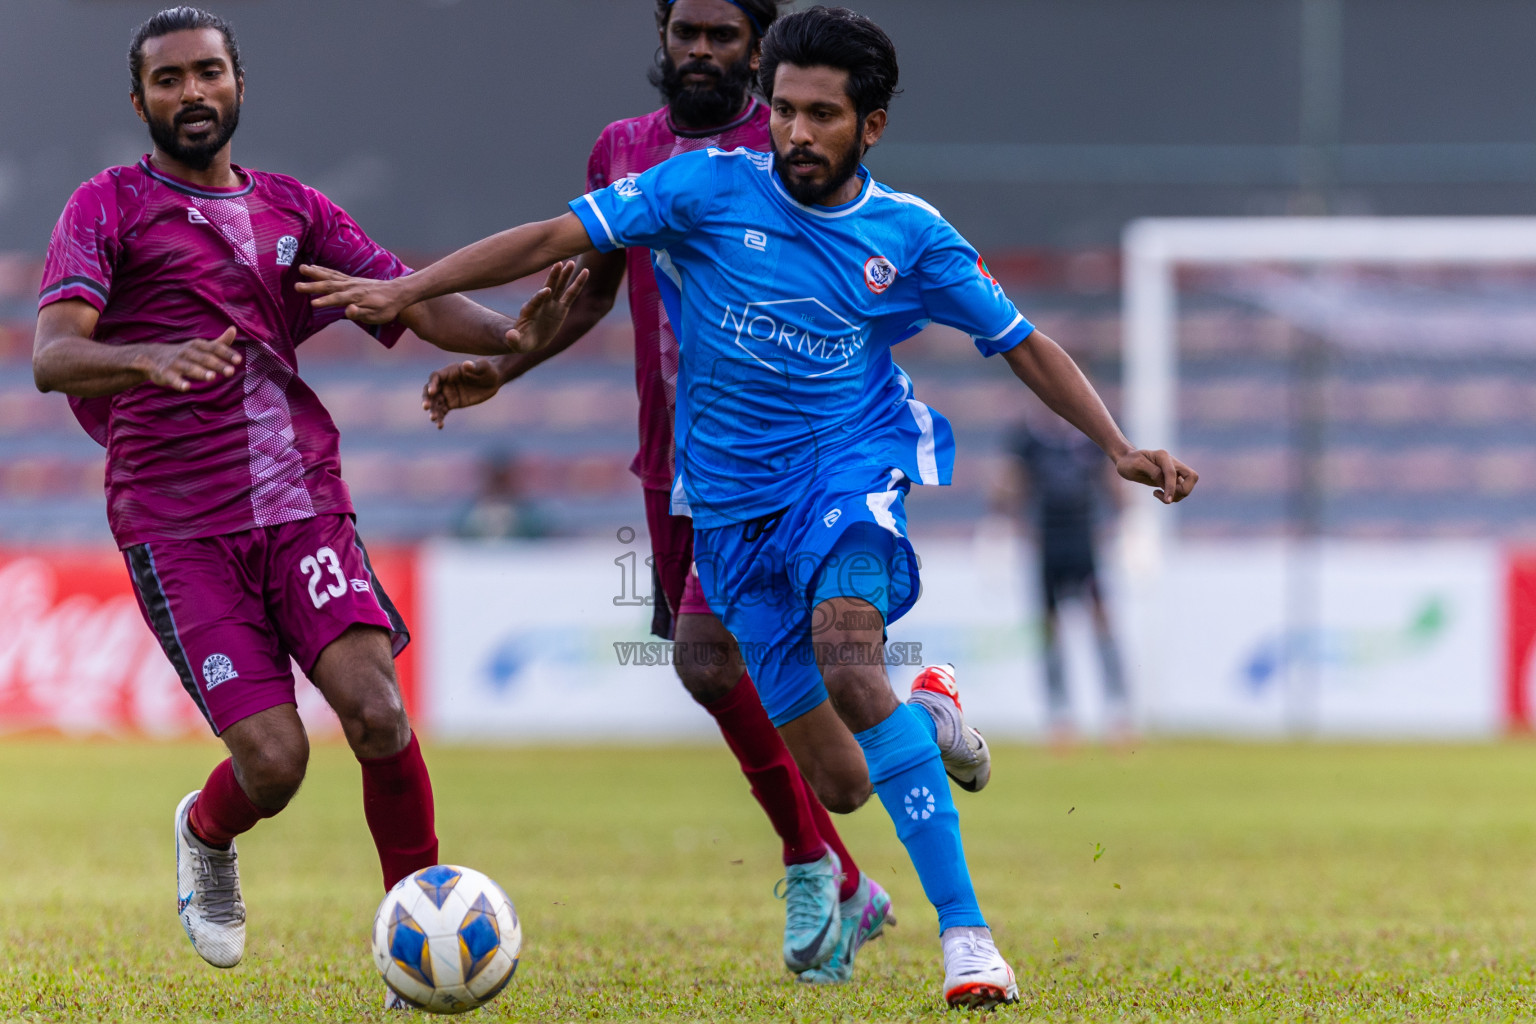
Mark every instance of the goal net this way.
pixel 1359 397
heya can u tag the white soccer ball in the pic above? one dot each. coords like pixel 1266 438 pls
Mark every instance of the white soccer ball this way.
pixel 446 939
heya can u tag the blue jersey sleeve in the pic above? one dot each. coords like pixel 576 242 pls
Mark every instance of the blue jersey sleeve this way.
pixel 653 210
pixel 960 292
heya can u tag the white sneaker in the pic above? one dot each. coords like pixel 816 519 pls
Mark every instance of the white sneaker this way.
pixel 208 894
pixel 965 753
pixel 975 974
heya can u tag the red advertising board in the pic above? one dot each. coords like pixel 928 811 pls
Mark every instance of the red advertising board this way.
pixel 77 658
pixel 1519 639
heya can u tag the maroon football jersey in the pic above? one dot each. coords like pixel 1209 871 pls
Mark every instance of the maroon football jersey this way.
pixel 165 261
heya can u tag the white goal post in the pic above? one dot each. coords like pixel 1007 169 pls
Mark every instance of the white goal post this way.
pixel 1303 631
pixel 1153 249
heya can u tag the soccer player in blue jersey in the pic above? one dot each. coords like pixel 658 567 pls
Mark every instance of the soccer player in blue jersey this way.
pixel 790 275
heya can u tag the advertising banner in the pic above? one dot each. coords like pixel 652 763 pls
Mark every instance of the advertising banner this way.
pixel 77 658
pixel 547 641
pixel 981 611
pixel 551 641
pixel 1339 638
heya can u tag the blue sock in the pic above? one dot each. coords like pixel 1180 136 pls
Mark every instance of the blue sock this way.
pixel 926 720
pixel 905 767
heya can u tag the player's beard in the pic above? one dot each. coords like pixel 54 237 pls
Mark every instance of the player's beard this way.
pixel 704 104
pixel 811 193
pixel 196 155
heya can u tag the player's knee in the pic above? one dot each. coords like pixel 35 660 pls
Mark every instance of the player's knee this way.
pixel 377 725
pixel 841 786
pixel 860 694
pixel 378 730
pixel 272 773
pixel 706 682
pixel 844 795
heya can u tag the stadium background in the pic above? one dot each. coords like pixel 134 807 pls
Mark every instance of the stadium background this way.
pixel 1042 129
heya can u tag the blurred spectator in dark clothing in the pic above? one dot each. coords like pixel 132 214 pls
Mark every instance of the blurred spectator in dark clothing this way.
pixel 1066 490
pixel 501 509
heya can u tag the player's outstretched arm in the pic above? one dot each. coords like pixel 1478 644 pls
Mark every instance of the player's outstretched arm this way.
pixel 455 324
pixel 471 382
pixel 66 358
pixel 503 257
pixel 1050 373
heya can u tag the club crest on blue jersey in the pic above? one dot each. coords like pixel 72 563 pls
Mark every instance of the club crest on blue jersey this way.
pixel 879 274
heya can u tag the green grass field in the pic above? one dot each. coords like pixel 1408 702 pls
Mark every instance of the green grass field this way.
pixel 1178 881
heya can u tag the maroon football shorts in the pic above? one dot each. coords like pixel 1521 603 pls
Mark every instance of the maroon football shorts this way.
pixel 676 584
pixel 231 610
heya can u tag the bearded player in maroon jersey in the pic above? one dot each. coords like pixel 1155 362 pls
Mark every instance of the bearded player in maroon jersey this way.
pixel 708 62
pixel 168 315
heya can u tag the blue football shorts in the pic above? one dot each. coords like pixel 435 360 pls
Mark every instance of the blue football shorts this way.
pixel 846 536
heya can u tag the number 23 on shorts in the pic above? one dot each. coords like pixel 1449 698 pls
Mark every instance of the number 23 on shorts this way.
pixel 315 567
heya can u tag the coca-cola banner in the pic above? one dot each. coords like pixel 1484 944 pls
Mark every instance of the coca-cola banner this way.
pixel 76 656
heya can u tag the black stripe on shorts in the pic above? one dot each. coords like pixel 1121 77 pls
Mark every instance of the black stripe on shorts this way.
pixel 400 635
pixel 147 581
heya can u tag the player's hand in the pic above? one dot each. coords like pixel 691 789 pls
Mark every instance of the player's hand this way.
pixel 459 386
pixel 365 300
pixel 198 361
pixel 1158 469
pixel 541 316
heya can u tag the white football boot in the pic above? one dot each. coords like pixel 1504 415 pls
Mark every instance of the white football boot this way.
pixel 976 976
pixel 208 894
pixel 395 1001
pixel 965 753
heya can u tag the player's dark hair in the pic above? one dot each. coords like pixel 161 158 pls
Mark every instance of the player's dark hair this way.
pixel 178 19
pixel 834 37
pixel 761 14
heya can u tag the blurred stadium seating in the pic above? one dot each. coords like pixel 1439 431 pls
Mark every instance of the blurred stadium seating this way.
pixel 570 425
pixel 1401 445
pixel 1404 409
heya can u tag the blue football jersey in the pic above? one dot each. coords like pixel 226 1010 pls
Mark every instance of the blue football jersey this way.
pixel 785 316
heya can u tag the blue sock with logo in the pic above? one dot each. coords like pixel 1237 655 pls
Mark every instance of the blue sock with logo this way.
pixel 908 775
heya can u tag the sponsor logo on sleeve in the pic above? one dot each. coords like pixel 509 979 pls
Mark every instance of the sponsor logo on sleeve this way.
pixel 627 188
pixel 217 668
pixel 879 274
pixel 287 249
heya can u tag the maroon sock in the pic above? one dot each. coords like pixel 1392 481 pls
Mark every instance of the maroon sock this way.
pixel 771 771
pixel 222 810
pixel 850 883
pixel 397 801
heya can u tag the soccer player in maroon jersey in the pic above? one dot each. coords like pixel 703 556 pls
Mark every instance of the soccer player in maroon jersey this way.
pixel 169 317
pixel 708 60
